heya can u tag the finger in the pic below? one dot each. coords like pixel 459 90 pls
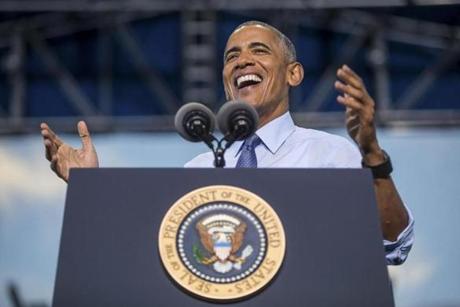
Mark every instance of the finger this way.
pixel 47 132
pixel 49 149
pixel 350 102
pixel 351 71
pixel 350 112
pixel 350 90
pixel 84 135
pixel 51 146
pixel 350 78
pixel 44 126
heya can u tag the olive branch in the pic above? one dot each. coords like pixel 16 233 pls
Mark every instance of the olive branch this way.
pixel 197 253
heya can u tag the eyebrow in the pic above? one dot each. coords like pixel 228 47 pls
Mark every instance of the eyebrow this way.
pixel 251 46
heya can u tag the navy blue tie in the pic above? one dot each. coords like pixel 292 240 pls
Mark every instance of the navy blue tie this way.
pixel 248 157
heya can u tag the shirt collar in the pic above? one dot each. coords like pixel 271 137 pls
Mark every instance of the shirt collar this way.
pixel 272 134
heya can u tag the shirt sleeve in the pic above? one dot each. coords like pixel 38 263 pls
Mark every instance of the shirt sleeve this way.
pixel 396 251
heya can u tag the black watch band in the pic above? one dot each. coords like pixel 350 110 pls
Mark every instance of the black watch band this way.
pixel 381 171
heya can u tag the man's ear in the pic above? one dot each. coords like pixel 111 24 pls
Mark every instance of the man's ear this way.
pixel 295 74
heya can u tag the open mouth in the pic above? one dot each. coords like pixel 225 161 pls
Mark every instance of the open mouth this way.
pixel 247 80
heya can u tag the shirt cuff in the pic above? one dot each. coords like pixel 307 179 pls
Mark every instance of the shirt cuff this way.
pixel 396 251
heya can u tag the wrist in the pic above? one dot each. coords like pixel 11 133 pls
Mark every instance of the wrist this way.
pixel 372 154
pixel 379 163
pixel 374 158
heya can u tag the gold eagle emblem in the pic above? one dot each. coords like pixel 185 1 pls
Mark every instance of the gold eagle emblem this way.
pixel 222 236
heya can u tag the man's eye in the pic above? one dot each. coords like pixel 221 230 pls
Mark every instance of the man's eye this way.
pixel 230 57
pixel 260 51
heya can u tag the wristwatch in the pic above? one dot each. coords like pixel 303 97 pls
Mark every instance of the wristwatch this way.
pixel 382 170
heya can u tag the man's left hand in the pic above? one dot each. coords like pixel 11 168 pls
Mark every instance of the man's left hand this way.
pixel 360 112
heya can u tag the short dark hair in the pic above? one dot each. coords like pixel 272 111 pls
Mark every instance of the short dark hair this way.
pixel 287 45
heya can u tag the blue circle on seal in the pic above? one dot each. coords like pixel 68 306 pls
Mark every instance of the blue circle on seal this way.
pixel 221 242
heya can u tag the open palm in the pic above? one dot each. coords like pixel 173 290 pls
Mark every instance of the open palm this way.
pixel 360 109
pixel 63 157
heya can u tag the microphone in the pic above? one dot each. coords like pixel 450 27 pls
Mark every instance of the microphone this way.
pixel 195 122
pixel 237 120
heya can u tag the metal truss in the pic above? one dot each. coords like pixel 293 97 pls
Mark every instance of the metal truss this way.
pixel 34 32
pixel 178 5
pixel 359 26
pixel 420 86
pixel 153 80
pixel 199 56
pixel 164 123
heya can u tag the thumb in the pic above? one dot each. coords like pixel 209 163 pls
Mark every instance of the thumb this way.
pixel 83 132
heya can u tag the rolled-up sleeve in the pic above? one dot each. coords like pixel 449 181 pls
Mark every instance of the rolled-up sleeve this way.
pixel 396 251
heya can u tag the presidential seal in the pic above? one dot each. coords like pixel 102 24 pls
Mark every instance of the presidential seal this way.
pixel 221 243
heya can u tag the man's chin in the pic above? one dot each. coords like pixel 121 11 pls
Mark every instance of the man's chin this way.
pixel 249 98
pixel 250 101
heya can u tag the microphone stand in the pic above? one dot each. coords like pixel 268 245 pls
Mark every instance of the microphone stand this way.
pixel 229 139
pixel 199 129
pixel 218 147
pixel 219 152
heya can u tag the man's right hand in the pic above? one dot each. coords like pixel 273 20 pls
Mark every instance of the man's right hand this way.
pixel 63 157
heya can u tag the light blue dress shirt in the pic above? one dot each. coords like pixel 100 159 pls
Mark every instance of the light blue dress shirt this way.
pixel 285 145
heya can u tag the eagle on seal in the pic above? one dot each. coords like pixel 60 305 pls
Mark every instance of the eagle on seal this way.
pixel 222 236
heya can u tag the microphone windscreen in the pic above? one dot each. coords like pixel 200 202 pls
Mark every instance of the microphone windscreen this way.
pixel 231 111
pixel 190 111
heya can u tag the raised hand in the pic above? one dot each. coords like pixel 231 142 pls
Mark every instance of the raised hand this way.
pixel 64 157
pixel 360 110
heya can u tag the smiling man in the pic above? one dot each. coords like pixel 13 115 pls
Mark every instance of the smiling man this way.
pixel 260 67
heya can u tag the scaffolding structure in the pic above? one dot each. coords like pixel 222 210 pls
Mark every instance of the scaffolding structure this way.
pixel 28 25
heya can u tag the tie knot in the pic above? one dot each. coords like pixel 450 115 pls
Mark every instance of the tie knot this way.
pixel 252 142
pixel 248 156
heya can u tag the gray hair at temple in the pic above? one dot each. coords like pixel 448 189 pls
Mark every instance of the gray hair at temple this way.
pixel 288 46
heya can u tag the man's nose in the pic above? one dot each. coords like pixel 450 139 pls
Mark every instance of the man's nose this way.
pixel 245 59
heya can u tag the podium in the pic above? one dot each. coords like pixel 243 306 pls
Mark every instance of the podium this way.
pixel 109 253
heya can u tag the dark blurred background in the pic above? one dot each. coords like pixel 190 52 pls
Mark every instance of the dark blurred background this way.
pixel 127 66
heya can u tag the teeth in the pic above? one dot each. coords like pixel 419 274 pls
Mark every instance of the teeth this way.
pixel 247 78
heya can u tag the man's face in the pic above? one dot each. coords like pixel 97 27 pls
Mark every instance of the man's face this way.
pixel 255 70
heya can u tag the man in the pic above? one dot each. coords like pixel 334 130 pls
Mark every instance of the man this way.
pixel 260 67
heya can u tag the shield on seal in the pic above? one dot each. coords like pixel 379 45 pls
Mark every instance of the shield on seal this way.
pixel 222 246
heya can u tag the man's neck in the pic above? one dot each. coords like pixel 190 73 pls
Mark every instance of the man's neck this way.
pixel 263 120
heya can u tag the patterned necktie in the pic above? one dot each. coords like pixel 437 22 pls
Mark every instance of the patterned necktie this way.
pixel 248 157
